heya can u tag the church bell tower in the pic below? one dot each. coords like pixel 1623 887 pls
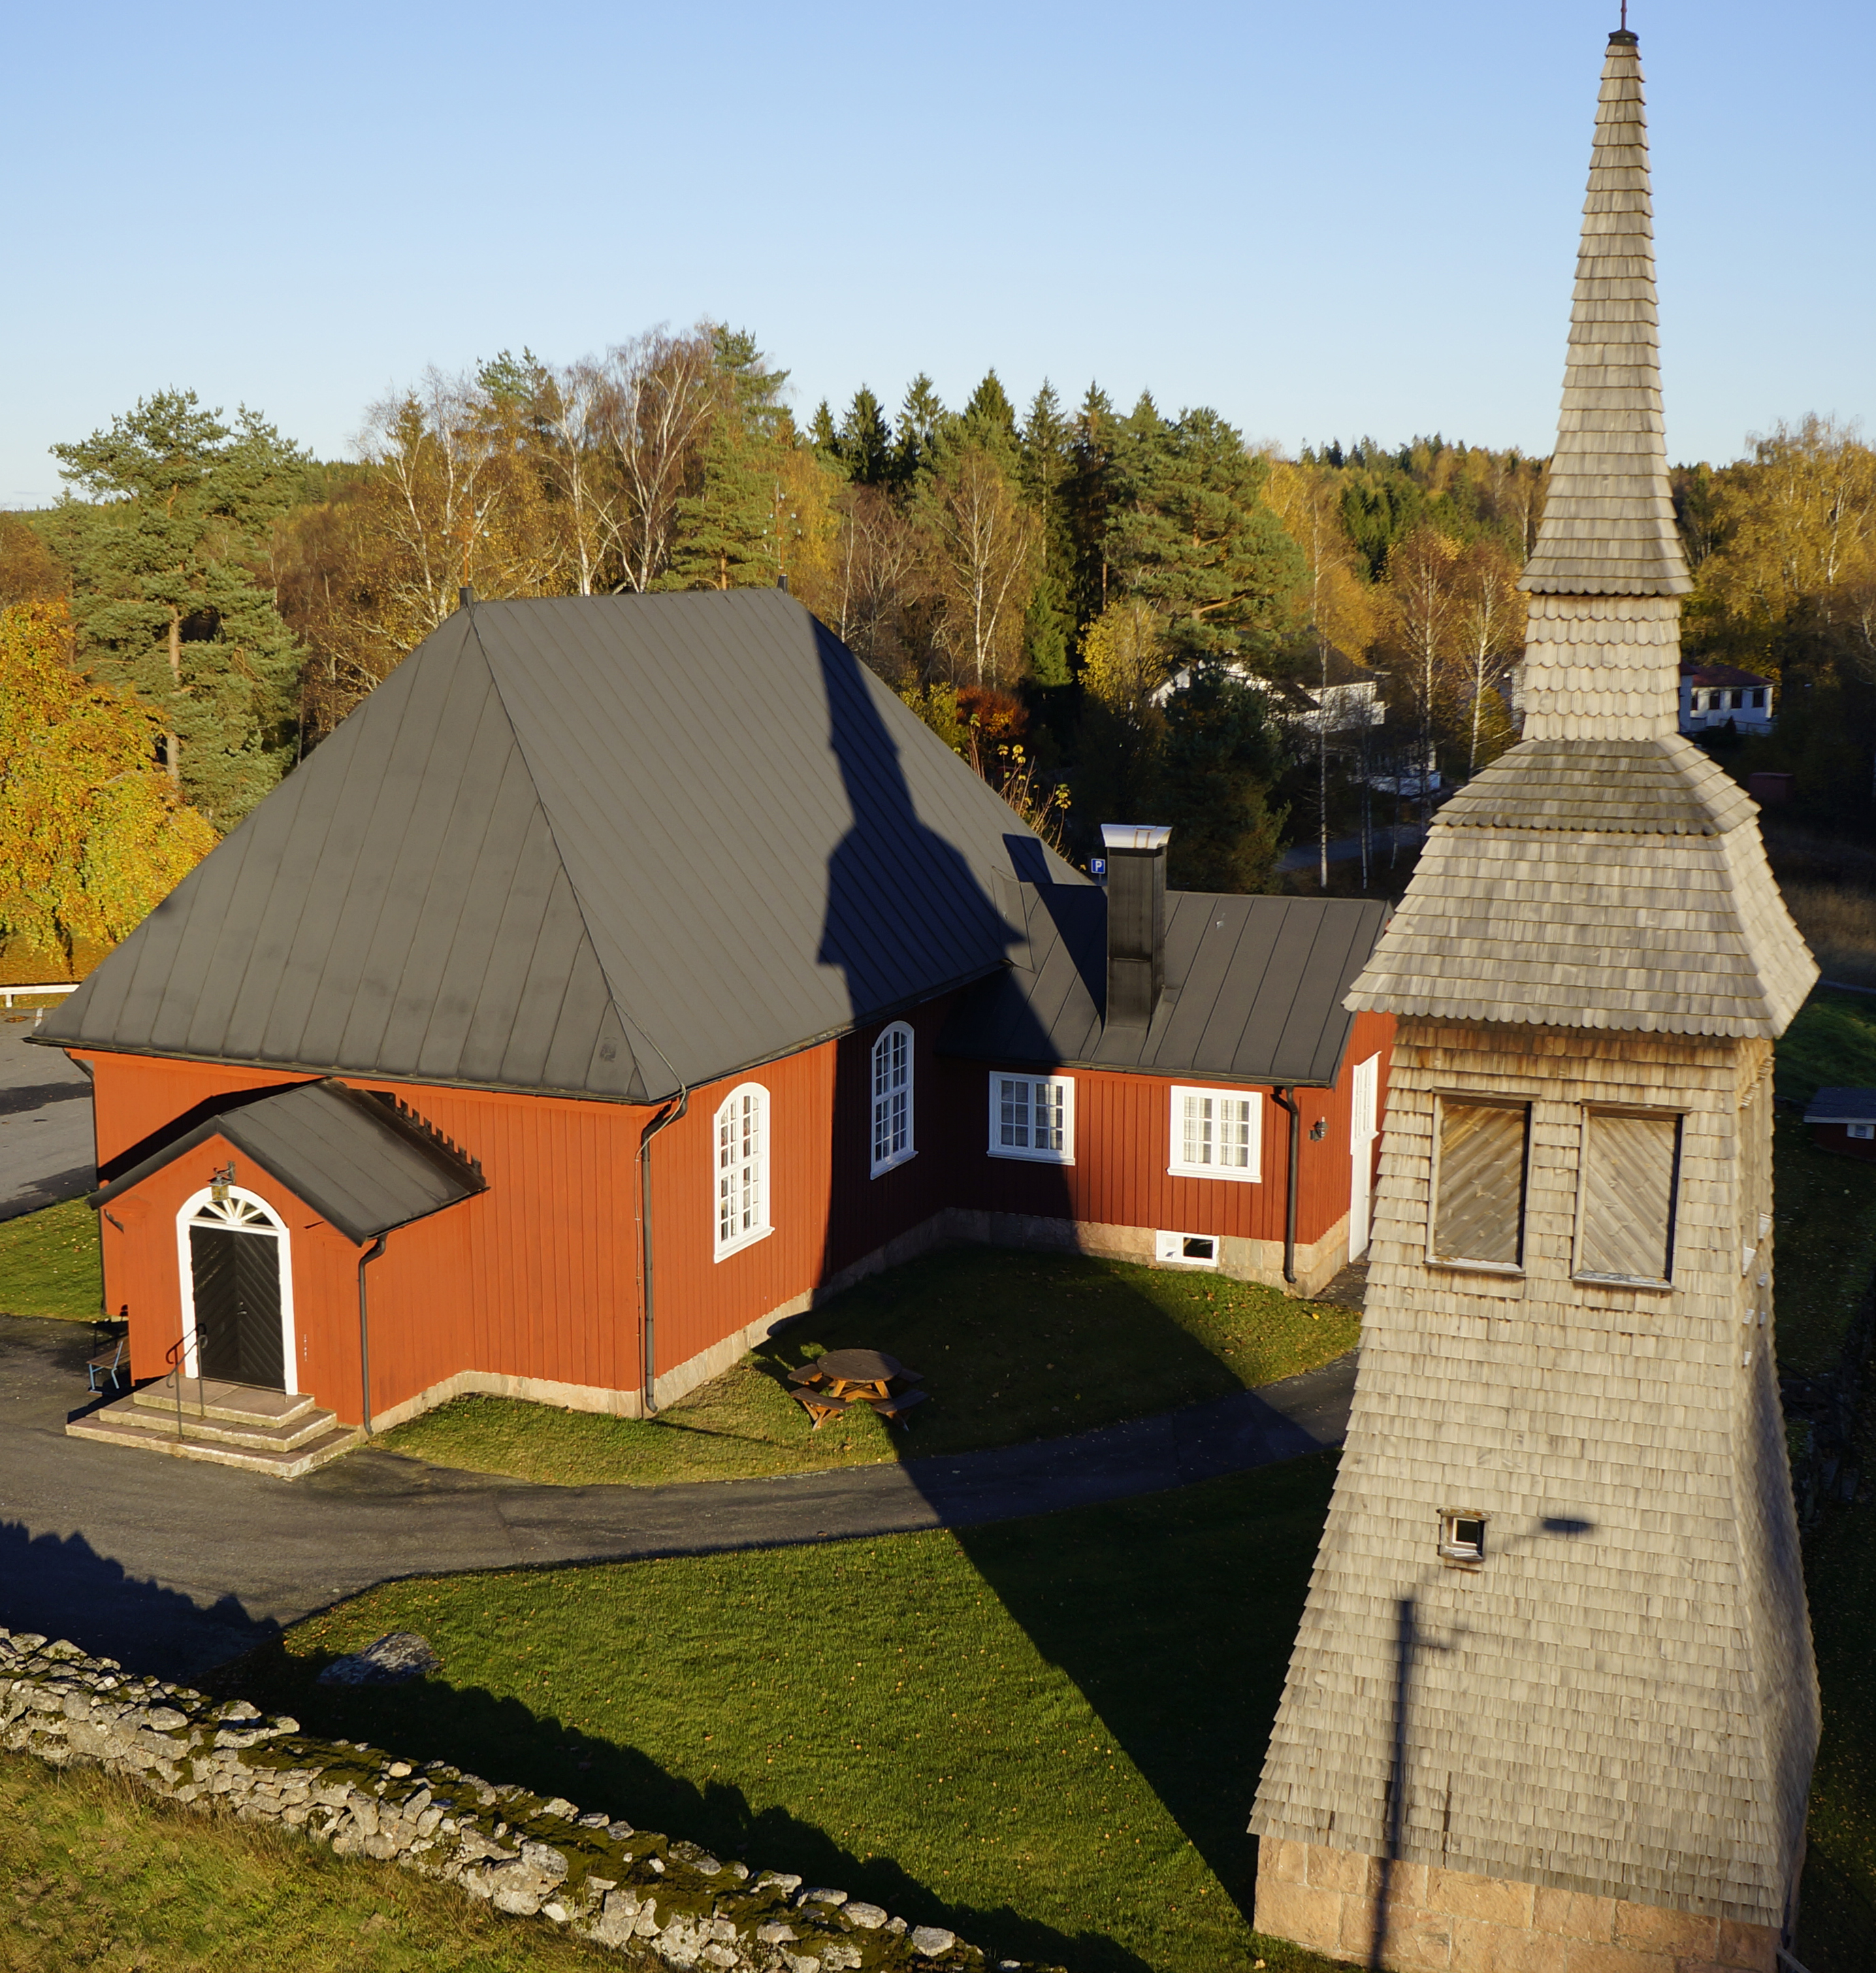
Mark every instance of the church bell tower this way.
pixel 1553 1701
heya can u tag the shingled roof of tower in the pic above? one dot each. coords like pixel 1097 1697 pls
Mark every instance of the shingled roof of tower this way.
pixel 1608 526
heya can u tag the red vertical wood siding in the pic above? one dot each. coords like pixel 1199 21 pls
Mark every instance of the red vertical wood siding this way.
pixel 1123 1147
pixel 539 1276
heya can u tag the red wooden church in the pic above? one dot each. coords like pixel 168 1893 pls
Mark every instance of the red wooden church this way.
pixel 627 975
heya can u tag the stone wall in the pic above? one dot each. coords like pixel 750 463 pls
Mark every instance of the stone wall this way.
pixel 669 1901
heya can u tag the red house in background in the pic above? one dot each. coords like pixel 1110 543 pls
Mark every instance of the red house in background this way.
pixel 627 975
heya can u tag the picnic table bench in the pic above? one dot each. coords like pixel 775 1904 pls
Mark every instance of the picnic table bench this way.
pixel 831 1383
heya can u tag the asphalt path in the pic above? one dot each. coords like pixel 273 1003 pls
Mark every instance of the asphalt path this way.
pixel 174 1566
pixel 46 1146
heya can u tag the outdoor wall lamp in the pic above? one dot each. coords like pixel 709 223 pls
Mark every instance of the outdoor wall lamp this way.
pixel 219 1182
pixel 1318 1130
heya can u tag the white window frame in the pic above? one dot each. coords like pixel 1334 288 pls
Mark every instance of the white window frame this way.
pixel 241 1212
pixel 755 1165
pixel 1250 1174
pixel 880 1107
pixel 1064 1099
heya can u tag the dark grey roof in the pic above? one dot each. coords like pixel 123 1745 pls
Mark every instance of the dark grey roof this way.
pixel 362 1164
pixel 1254 988
pixel 1842 1106
pixel 588 845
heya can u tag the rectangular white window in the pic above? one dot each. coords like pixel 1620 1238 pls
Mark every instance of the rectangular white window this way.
pixel 742 1169
pixel 1478 1206
pixel 892 1098
pixel 1217 1133
pixel 1033 1117
pixel 1626 1202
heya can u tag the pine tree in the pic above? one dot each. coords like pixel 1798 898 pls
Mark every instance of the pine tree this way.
pixel 920 417
pixel 1217 763
pixel 1086 494
pixel 1046 461
pixel 989 417
pixel 166 595
pixel 865 441
pixel 1190 531
pixel 728 531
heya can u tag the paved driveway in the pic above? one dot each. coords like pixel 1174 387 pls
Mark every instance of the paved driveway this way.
pixel 46 1145
pixel 173 1566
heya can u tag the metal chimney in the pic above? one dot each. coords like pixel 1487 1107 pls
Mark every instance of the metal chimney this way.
pixel 1136 854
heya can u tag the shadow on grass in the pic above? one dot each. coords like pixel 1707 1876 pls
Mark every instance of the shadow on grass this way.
pixel 1175 1617
pixel 502 1740
pixel 61 1587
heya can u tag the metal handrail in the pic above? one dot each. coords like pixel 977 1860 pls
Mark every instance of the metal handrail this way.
pixel 174 1356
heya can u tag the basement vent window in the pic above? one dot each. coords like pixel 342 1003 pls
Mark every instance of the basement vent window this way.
pixel 1193 1250
pixel 1033 1117
pixel 1478 1183
pixel 1625 1197
pixel 1462 1539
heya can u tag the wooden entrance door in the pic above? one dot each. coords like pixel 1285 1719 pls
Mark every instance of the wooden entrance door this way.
pixel 237 1278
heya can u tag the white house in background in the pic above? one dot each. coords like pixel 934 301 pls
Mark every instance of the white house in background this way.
pixel 1711 695
pixel 1350 700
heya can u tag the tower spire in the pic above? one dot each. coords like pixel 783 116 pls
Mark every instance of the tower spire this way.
pixel 1608 528
pixel 1602 656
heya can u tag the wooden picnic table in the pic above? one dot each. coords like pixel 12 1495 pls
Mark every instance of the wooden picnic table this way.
pixel 867 1371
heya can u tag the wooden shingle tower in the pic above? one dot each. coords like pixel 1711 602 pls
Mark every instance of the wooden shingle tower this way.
pixel 1552 1704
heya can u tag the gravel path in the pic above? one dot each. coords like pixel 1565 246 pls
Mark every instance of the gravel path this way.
pixel 46 1146
pixel 174 1566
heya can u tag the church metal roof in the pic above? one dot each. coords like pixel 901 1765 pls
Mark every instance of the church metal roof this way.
pixel 1253 993
pixel 594 846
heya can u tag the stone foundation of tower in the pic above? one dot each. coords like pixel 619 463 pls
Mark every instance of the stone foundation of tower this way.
pixel 1334 1901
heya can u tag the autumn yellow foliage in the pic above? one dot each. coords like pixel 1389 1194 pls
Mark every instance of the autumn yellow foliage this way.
pixel 92 834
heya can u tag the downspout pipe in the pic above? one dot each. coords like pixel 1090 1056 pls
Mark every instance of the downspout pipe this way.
pixel 669 1115
pixel 364 1331
pixel 1286 1096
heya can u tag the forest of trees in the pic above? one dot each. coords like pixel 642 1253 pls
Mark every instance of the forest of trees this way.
pixel 1108 613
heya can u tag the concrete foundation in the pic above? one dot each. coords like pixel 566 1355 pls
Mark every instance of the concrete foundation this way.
pixel 1413 1918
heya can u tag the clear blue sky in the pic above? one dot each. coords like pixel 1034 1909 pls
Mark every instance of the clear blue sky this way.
pixel 1329 217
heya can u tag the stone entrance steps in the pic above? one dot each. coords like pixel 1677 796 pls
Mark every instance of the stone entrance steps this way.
pixel 228 1425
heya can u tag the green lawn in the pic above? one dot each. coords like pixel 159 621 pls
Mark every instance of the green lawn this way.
pixel 98 1875
pixel 1826 1202
pixel 1837 1917
pixel 1012 1347
pixel 1044 1734
pixel 49 1264
pixel 1831 1045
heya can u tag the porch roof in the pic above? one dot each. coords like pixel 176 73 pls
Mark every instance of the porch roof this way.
pixel 364 1163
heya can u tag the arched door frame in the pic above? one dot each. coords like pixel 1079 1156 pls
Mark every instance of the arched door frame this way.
pixel 192 1214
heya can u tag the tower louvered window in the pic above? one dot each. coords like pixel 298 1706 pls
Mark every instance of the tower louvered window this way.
pixel 742 1169
pixel 892 1098
pixel 1625 1209
pixel 1478 1206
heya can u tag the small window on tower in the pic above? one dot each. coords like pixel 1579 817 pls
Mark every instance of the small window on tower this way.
pixel 1478 1210
pixel 1625 1198
pixel 1462 1537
